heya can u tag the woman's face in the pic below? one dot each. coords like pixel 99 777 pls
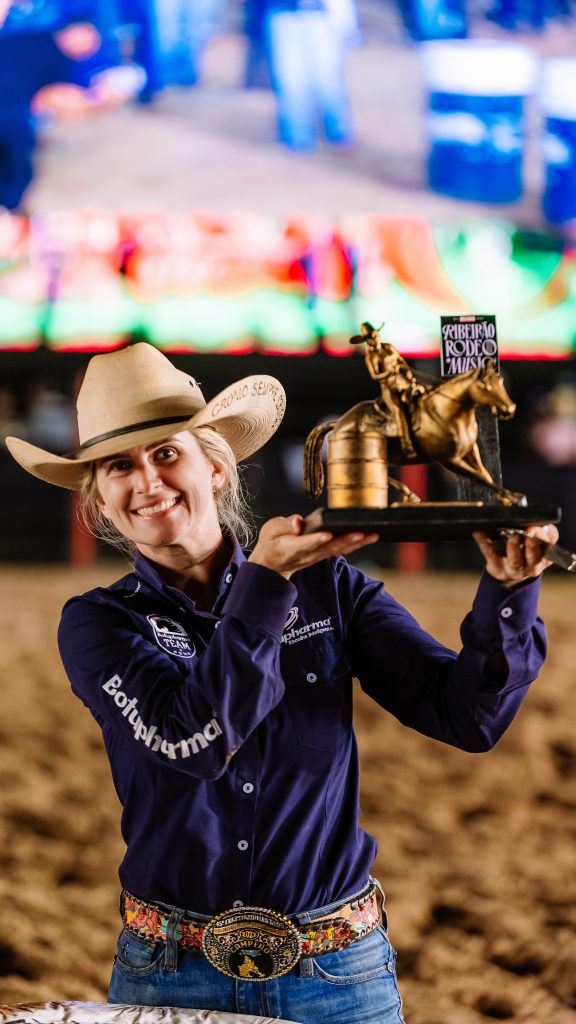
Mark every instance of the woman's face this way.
pixel 162 494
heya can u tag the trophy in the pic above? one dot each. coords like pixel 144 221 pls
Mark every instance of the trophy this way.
pixel 452 422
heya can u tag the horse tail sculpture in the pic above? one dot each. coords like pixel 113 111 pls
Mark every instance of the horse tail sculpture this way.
pixel 313 468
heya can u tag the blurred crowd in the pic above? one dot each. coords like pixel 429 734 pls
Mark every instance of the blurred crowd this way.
pixel 62 59
pixel 69 58
pixel 553 423
pixel 43 416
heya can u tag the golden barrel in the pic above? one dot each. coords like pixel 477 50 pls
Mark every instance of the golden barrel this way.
pixel 357 470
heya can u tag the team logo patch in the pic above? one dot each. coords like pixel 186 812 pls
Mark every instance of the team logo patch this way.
pixel 171 636
pixel 252 943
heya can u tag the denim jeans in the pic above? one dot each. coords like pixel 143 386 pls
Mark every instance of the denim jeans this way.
pixel 354 986
pixel 184 29
pixel 307 68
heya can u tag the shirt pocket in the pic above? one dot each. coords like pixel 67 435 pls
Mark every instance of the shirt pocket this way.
pixel 318 695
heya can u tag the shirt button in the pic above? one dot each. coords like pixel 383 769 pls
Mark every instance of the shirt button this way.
pixel 248 787
pixel 238 903
pixel 506 613
pixel 216 624
pixel 228 577
pixel 311 677
pixel 242 845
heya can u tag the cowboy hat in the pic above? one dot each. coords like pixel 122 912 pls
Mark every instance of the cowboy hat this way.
pixel 136 396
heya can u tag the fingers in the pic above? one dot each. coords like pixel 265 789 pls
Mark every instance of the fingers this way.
pixel 345 544
pixel 538 537
pixel 282 546
pixel 549 533
pixel 528 553
pixel 485 544
pixel 523 557
pixel 313 547
pixel 281 525
pixel 515 553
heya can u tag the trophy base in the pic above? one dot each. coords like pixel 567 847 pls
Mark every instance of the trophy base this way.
pixel 431 522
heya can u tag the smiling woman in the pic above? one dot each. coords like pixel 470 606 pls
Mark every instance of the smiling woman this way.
pixel 161 498
pixel 222 682
pixel 234 514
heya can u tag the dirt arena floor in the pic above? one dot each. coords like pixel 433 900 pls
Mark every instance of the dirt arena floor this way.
pixel 476 851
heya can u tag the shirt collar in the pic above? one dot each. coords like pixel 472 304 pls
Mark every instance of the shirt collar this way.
pixel 147 570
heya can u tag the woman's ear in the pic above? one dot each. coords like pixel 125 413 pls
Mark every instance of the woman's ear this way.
pixel 218 478
pixel 99 500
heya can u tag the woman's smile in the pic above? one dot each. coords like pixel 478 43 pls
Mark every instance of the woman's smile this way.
pixel 162 495
pixel 160 508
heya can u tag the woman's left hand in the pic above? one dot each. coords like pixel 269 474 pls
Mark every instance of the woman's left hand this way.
pixel 523 558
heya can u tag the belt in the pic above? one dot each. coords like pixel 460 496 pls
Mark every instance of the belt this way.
pixel 254 943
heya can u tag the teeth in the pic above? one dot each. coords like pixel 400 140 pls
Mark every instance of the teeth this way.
pixel 151 510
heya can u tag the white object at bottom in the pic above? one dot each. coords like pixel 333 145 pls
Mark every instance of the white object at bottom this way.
pixel 107 1013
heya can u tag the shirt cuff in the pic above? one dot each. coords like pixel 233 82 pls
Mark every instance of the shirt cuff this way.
pixel 498 610
pixel 262 597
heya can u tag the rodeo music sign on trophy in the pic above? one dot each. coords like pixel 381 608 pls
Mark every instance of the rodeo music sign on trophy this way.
pixel 452 422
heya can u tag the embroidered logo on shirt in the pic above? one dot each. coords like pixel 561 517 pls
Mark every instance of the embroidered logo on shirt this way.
pixel 294 636
pixel 292 616
pixel 171 636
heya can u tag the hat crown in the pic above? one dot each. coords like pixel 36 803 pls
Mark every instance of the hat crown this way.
pixel 136 385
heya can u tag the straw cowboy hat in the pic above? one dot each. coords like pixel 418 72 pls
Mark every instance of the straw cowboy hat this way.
pixel 136 396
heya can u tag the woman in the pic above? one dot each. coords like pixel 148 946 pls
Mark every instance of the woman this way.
pixel 222 684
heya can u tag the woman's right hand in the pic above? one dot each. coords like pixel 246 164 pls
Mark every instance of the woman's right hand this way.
pixel 283 547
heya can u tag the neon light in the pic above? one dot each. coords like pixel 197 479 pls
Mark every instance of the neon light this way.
pixel 89 280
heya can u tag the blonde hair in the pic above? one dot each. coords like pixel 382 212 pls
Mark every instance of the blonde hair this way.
pixel 234 513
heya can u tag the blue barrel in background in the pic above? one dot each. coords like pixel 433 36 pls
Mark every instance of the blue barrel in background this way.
pixel 558 104
pixel 475 117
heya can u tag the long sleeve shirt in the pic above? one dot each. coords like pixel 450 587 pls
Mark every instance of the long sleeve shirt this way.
pixel 230 732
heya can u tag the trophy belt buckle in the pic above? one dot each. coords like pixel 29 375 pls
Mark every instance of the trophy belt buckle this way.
pixel 252 943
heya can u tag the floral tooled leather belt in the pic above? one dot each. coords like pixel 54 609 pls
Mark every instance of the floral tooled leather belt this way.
pixel 254 943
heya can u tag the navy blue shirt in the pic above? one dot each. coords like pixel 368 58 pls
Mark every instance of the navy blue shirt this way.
pixel 230 732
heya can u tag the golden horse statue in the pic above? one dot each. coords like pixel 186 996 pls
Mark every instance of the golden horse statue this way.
pixel 441 425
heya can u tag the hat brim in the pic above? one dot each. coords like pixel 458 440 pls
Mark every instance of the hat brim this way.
pixel 246 414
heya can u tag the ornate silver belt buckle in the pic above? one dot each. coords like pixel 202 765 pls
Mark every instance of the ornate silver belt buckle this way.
pixel 252 944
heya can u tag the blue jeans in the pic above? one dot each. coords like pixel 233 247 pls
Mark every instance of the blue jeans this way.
pixel 357 984
pixel 307 68
pixel 184 28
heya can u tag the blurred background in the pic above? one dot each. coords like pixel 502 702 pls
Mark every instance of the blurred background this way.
pixel 242 184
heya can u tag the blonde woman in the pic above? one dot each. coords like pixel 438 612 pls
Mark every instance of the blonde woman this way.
pixel 222 682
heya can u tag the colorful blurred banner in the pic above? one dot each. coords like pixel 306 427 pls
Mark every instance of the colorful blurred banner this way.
pixel 24 285
pixel 90 280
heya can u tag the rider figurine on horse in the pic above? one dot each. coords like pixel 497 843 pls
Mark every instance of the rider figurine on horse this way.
pixel 398 385
pixel 408 423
